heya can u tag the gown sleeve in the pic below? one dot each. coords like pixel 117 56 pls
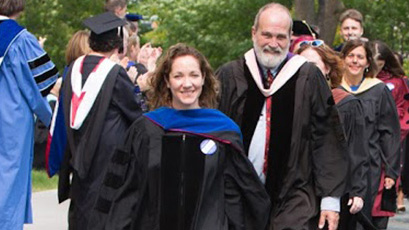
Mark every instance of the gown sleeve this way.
pixel 400 95
pixel 329 158
pixel 124 185
pixel 245 196
pixel 389 131
pixel 228 89
pixel 124 97
pixel 35 74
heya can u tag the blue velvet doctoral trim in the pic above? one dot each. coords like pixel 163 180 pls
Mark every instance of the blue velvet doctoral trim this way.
pixel 55 153
pixel 193 120
pixel 9 29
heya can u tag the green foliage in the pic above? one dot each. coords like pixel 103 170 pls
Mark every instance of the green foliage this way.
pixel 406 66
pixel 58 20
pixel 385 20
pixel 42 182
pixel 221 30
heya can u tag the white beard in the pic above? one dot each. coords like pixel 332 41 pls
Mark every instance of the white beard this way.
pixel 270 61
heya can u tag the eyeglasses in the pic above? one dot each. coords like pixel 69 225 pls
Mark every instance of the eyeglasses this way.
pixel 314 43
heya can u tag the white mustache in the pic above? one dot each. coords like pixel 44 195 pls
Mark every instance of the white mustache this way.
pixel 276 50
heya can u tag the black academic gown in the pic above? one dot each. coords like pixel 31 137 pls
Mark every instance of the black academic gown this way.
pixel 90 148
pixel 162 179
pixel 383 133
pixel 306 159
pixel 353 121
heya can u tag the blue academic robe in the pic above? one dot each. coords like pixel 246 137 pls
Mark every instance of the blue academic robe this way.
pixel 26 76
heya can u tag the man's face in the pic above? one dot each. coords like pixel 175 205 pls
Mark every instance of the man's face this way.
pixel 271 40
pixel 351 29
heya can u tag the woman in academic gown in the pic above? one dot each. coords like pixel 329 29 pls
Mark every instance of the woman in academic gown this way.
pixel 381 125
pixel 353 122
pixel 182 165
pixel 392 74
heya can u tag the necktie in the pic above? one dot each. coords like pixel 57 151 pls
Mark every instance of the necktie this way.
pixel 269 80
pixel 267 85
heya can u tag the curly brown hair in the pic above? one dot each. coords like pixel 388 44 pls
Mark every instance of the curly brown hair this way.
pixel 331 61
pixel 159 95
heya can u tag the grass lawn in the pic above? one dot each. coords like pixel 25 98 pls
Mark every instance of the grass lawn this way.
pixel 41 181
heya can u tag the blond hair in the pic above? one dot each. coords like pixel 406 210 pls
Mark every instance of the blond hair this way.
pixel 77 46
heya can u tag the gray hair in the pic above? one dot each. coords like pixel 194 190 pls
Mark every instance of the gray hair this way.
pixel 273 5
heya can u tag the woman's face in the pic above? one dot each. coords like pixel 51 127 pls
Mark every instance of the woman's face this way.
pixel 185 82
pixel 356 62
pixel 313 57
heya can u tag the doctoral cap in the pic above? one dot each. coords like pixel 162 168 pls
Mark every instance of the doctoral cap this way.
pixel 103 23
pixel 301 27
pixel 133 17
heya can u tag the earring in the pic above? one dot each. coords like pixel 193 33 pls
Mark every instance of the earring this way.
pixel 366 70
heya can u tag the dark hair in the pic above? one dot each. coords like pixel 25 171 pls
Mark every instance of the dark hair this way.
pixel 331 61
pixel 273 5
pixel 111 5
pixel 386 54
pixel 352 14
pixel 399 57
pixel 11 7
pixel 355 43
pixel 105 42
pixel 159 94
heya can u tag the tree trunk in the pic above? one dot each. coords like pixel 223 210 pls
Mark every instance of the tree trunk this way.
pixel 305 10
pixel 326 18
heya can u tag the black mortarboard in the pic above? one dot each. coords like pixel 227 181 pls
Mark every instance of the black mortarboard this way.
pixel 103 23
pixel 301 27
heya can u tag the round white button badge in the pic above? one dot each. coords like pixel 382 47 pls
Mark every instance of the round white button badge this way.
pixel 208 147
pixel 391 86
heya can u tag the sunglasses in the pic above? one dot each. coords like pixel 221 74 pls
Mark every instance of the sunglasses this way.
pixel 314 43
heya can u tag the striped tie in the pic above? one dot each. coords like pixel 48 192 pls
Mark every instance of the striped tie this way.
pixel 269 80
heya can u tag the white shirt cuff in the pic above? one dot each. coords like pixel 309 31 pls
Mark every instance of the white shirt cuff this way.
pixel 331 203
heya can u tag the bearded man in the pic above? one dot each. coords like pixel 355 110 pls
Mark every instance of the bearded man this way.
pixel 290 125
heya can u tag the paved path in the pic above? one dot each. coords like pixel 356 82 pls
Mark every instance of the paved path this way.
pixel 48 214
pixel 401 220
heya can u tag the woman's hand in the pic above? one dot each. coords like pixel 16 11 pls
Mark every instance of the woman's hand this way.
pixel 145 53
pixel 389 182
pixel 132 73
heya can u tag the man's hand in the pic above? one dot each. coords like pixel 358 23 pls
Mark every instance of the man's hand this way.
pixel 356 204
pixel 42 40
pixel 331 217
